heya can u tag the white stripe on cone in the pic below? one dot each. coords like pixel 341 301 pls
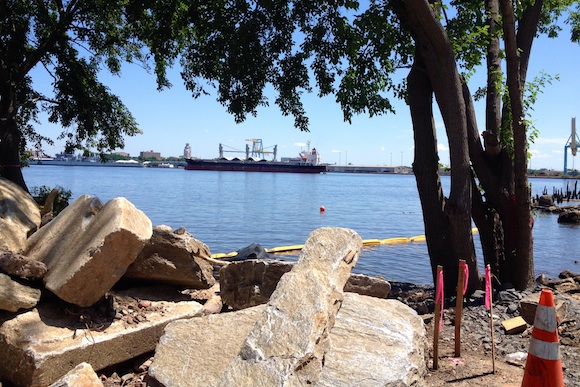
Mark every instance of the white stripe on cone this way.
pixel 546 318
pixel 544 350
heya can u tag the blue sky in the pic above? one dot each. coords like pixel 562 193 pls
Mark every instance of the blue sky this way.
pixel 171 118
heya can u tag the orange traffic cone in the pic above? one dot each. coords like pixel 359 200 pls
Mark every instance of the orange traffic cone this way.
pixel 543 366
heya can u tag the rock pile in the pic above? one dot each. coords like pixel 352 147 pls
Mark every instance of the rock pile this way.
pixel 98 285
pixel 566 214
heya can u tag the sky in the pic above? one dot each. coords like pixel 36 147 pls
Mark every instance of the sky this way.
pixel 171 118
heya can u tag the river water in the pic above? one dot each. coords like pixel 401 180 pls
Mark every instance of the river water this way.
pixel 230 210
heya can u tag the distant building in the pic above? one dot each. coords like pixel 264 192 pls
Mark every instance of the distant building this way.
pixel 187 151
pixel 124 154
pixel 150 154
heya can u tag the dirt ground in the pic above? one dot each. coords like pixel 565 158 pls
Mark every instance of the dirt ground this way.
pixel 472 368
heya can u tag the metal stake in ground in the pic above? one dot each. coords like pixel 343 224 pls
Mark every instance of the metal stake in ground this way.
pixel 461 281
pixel 438 322
pixel 489 305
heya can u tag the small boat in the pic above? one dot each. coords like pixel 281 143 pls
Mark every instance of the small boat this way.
pixel 165 165
pixel 308 161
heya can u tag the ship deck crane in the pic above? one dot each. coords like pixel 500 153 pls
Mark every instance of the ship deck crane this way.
pixel 257 150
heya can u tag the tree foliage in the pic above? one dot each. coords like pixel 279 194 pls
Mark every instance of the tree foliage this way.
pixel 73 41
pixel 364 54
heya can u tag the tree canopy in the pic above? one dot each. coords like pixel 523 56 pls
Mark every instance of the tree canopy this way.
pixel 342 48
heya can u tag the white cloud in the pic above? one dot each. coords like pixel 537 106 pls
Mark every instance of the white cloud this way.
pixel 550 141
pixel 442 148
pixel 537 154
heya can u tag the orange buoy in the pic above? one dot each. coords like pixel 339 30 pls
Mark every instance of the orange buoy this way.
pixel 322 209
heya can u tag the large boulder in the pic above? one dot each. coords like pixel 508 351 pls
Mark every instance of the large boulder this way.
pixel 287 344
pixel 249 283
pixel 19 216
pixel 88 247
pixel 15 296
pixel 375 342
pixel 40 346
pixel 175 258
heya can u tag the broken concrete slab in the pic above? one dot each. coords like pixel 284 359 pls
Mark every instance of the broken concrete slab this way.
pixel 40 346
pixel 19 216
pixel 53 239
pixel 89 249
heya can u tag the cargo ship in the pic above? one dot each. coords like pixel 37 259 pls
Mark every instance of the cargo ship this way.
pixel 308 161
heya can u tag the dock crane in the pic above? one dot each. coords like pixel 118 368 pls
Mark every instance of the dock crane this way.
pixel 572 144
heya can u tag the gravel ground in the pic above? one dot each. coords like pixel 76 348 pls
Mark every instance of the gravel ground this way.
pixel 474 367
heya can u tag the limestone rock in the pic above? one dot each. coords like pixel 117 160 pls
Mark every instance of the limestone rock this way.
pixel 287 344
pixel 87 248
pixel 375 342
pixel 175 258
pixel 15 296
pixel 196 352
pixel 40 346
pixel 214 304
pixel 20 266
pixel 249 283
pixel 19 216
pixel 82 375
pixel 382 340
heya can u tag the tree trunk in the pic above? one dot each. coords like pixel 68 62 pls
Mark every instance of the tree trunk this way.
pixel 435 51
pixel 426 170
pixel 9 152
pixel 523 264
